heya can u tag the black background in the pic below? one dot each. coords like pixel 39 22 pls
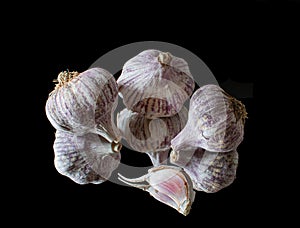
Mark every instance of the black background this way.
pixel 240 41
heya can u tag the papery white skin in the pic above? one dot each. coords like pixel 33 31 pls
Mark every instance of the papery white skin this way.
pixel 84 159
pixel 209 171
pixel 215 122
pixel 168 184
pixel 155 83
pixel 84 103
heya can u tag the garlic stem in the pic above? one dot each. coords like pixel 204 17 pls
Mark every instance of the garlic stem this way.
pixel 164 58
pixel 115 144
pixel 140 186
pixel 239 110
pixel 135 180
pixel 238 107
pixel 158 157
pixel 64 77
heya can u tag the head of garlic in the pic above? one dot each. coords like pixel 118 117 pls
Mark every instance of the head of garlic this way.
pixel 167 184
pixel 151 136
pixel 155 83
pixel 209 171
pixel 85 159
pixel 215 123
pixel 84 102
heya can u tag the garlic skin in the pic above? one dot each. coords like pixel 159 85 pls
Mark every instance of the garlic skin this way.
pixel 84 102
pixel 209 171
pixel 167 184
pixel 85 159
pixel 159 158
pixel 155 83
pixel 215 123
pixel 151 136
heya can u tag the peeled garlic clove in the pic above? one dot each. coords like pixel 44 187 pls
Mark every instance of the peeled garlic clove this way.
pixel 85 159
pixel 155 83
pixel 168 184
pixel 209 171
pixel 84 102
pixel 151 136
pixel 215 123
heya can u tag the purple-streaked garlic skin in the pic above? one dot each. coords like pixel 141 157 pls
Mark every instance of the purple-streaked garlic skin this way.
pixel 84 102
pixel 145 135
pixel 151 136
pixel 85 159
pixel 168 184
pixel 209 171
pixel 155 83
pixel 106 104
pixel 215 123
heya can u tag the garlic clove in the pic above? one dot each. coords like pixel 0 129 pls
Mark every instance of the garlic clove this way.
pixel 106 105
pixel 209 171
pixel 84 102
pixel 167 184
pixel 155 83
pixel 85 159
pixel 151 136
pixel 216 121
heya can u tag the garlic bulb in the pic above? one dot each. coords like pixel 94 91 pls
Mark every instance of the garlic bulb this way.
pixel 209 171
pixel 85 159
pixel 155 83
pixel 84 102
pixel 151 136
pixel 215 123
pixel 168 184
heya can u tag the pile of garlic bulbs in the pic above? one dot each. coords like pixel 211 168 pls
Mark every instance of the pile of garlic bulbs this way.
pixel 190 149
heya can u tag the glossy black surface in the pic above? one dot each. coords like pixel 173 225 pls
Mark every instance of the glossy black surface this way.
pixel 240 44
